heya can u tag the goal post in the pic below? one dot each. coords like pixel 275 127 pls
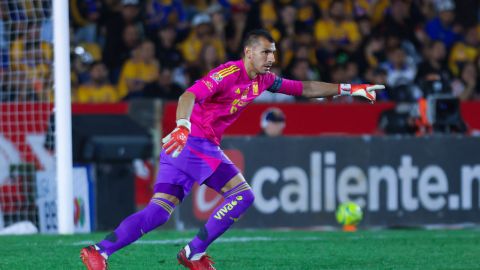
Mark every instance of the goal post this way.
pixel 63 116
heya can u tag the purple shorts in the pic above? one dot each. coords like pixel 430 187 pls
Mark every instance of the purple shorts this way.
pixel 200 161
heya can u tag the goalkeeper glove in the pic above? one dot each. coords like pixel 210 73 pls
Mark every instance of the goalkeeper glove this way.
pixel 360 90
pixel 176 140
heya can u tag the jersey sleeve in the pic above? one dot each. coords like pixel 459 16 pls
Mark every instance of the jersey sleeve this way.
pixel 281 85
pixel 206 86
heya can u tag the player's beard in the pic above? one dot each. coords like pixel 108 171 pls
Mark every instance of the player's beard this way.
pixel 264 69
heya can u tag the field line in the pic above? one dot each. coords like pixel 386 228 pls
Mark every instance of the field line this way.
pixel 220 240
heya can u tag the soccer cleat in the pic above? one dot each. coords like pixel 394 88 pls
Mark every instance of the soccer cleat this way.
pixel 204 263
pixel 92 259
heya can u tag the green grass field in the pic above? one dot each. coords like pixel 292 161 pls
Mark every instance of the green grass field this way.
pixel 388 249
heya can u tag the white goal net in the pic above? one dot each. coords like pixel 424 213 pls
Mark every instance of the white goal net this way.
pixel 26 106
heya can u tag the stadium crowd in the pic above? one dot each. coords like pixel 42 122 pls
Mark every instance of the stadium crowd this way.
pixel 127 49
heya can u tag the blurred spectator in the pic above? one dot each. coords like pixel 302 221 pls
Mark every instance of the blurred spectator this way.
pixel 202 33
pixel 131 38
pixel 118 46
pixel 21 86
pixel 379 10
pixel 304 37
pixel 344 40
pixel 3 41
pixel 442 27
pixel 186 75
pixel 164 87
pixel 3 86
pixel 269 18
pixel 235 29
pixel 400 21
pixel 372 52
pixel 160 13
pixel 466 12
pixel 337 74
pixel 272 122
pixel 219 22
pixel 433 76
pixel 165 50
pixel 236 5
pixel 142 68
pixel 31 59
pixel 307 12
pixel 81 60
pixel 86 15
pixel 358 8
pixel 98 89
pixel 287 24
pixel 478 69
pixel 364 26
pixel 393 41
pixel 467 86
pixel 378 76
pixel 336 32
pixel 209 59
pixel 300 70
pixel 352 74
pixel 427 8
pixel 400 69
pixel 464 51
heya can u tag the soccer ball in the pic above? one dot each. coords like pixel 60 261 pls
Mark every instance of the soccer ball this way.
pixel 349 213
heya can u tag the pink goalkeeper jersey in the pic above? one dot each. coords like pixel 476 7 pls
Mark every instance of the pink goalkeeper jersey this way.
pixel 225 92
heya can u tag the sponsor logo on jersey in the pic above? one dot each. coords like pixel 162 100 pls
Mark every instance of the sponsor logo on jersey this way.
pixel 218 76
pixel 255 88
pixel 208 84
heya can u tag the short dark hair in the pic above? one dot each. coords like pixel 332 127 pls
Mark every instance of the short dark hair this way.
pixel 253 36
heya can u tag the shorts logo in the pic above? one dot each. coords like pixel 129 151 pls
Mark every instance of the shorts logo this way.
pixel 227 208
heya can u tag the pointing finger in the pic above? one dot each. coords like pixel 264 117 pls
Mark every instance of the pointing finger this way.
pixel 375 87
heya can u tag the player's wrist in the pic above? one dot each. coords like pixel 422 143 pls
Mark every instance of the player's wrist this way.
pixel 344 89
pixel 184 123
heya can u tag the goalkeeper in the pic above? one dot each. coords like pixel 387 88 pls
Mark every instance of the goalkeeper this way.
pixel 191 152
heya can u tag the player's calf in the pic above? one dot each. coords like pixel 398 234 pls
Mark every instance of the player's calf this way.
pixel 156 213
pixel 237 201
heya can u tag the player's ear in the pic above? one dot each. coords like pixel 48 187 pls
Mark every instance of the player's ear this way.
pixel 248 52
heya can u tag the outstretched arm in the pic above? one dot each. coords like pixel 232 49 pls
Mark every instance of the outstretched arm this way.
pixel 313 89
pixel 316 89
pixel 176 140
pixel 185 105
